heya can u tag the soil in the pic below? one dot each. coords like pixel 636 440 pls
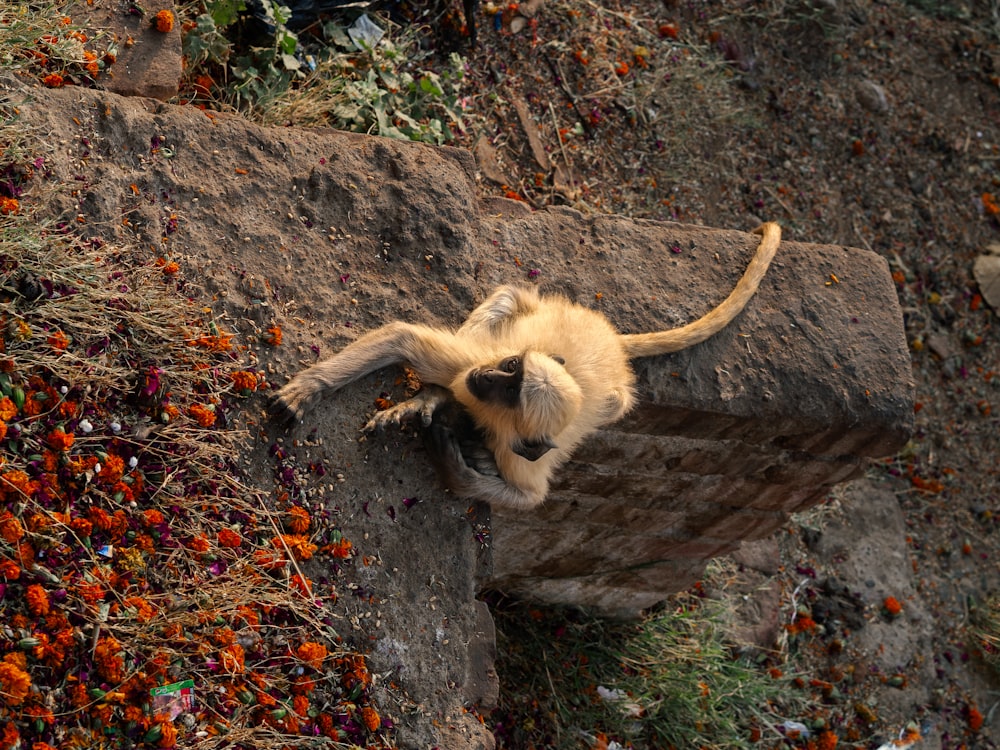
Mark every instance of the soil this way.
pixel 872 125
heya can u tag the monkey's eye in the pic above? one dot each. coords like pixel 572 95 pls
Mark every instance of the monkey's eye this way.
pixel 510 364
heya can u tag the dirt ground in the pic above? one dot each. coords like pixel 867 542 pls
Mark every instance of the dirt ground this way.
pixel 872 124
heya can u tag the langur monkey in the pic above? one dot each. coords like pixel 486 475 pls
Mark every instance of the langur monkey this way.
pixel 536 375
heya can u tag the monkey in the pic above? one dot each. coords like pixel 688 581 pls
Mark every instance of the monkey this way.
pixel 535 374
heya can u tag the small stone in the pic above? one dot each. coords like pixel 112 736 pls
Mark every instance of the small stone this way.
pixel 872 97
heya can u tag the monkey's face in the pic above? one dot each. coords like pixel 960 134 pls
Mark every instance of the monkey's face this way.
pixel 500 385
pixel 529 397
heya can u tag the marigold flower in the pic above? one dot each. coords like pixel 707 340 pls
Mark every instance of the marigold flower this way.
pixel 164 21
pixel 11 529
pixel 3 430
pixel 301 584
pixel 9 570
pixel 221 342
pixel 299 523
pixel 274 335
pixel 112 469
pixel 107 657
pixel 8 410
pixel 9 206
pixel 53 80
pixel 341 550
pixel 232 657
pixel 15 684
pixel 144 611
pixel 168 738
pixel 300 546
pixel 892 606
pixel 199 544
pixel 244 380
pixel 152 517
pixel 229 538
pixel 202 415
pixel 59 440
pixel 58 341
pixel 10 737
pixel 38 600
pixel 16 481
pixel 371 718
pixel 975 719
pixel 312 653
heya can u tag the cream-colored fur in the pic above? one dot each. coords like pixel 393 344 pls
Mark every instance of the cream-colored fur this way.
pixel 576 375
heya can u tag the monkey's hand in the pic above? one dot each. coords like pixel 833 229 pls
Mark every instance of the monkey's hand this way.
pixel 423 405
pixel 290 404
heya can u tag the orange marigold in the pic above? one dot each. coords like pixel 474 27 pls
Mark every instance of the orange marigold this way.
pixel 9 206
pixel 245 381
pixel 152 517
pixel 232 657
pixel 16 481
pixel 975 719
pixel 9 570
pixel 112 468
pixel 90 63
pixel 15 684
pixel 312 653
pixel 892 606
pixel 38 600
pixel 199 544
pixel 299 522
pixel 109 661
pixel 202 415
pixel 229 538
pixel 11 529
pixel 53 80
pixel 144 611
pixel 168 738
pixel 371 718
pixel 59 440
pixel 274 335
pixel 10 737
pixel 58 340
pixel 300 546
pixel 8 410
pixel 164 23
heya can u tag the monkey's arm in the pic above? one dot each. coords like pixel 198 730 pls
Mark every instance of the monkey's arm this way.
pixel 446 451
pixel 434 354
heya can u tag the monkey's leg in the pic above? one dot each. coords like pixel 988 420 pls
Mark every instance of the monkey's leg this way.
pixel 423 405
pixel 446 451
pixel 434 354
pixel 505 304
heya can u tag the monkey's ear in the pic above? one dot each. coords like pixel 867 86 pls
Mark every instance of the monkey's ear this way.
pixel 533 450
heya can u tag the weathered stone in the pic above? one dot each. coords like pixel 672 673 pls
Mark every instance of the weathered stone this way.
pixel 149 61
pixel 331 234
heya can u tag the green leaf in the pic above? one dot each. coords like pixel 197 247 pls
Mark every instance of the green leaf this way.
pixel 225 12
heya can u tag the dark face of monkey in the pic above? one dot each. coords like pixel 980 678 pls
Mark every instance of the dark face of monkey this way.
pixel 498 385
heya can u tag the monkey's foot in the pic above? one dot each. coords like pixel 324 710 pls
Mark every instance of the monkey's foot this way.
pixel 422 405
pixel 463 464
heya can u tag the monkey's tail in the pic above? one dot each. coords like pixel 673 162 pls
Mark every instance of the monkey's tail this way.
pixel 664 342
